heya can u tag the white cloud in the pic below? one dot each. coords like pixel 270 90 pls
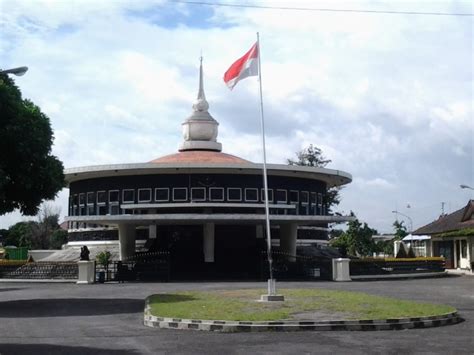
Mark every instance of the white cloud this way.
pixel 387 97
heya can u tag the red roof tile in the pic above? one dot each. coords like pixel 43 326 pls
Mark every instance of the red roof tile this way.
pixel 200 156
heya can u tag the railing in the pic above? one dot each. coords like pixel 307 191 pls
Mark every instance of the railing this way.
pixel 142 266
pixel 39 270
pixel 296 267
pixel 374 266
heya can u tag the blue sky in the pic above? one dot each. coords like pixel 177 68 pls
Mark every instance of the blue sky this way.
pixel 389 98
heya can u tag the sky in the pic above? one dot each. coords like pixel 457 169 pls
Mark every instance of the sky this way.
pixel 387 97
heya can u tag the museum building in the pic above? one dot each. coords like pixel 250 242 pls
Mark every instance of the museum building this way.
pixel 205 207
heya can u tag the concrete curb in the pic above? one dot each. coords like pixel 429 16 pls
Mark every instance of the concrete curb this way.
pixel 287 326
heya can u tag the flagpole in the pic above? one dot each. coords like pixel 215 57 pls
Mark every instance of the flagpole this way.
pixel 271 284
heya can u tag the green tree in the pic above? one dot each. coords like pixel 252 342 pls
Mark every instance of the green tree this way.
pixel 357 240
pixel 310 156
pixel 3 236
pixel 58 239
pixel 22 234
pixel 41 234
pixel 29 173
pixel 400 230
pixel 104 258
pixel 313 156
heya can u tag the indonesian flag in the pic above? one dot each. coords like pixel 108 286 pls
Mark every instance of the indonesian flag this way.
pixel 242 67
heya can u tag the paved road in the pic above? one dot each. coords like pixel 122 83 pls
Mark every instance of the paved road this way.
pixel 107 319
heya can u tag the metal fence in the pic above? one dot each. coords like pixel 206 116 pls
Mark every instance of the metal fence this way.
pixel 39 270
pixel 149 266
pixel 296 267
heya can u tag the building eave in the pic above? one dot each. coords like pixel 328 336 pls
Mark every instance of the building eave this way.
pixel 329 176
pixel 199 218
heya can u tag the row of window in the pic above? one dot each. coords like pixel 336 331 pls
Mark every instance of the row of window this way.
pixel 107 202
pixel 197 194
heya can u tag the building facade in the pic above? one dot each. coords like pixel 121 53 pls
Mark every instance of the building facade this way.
pixel 452 236
pixel 203 206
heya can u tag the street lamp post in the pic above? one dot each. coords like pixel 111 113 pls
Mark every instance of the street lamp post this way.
pixel 466 187
pixel 15 71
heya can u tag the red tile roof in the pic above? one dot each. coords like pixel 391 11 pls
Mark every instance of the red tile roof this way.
pixel 200 156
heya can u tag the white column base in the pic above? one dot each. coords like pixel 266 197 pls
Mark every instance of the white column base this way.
pixel 208 242
pixel 86 273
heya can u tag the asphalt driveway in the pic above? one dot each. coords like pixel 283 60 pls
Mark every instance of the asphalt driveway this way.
pixel 39 318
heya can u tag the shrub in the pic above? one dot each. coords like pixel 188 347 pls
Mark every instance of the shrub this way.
pixel 104 258
pixel 402 252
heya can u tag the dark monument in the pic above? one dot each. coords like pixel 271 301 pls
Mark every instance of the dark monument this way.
pixel 85 253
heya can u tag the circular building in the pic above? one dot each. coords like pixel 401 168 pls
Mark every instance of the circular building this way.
pixel 204 207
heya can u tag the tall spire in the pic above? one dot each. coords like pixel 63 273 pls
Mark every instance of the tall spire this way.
pixel 200 129
pixel 201 104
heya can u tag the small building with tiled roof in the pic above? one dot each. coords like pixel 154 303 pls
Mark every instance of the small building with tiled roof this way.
pixel 204 207
pixel 452 236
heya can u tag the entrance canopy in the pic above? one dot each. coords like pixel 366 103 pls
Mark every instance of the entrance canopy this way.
pixel 411 237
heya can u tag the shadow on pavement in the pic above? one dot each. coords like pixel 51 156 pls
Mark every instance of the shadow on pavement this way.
pixel 65 307
pixel 6 349
pixel 10 289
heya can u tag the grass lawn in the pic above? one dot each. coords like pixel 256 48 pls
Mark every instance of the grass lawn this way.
pixel 240 305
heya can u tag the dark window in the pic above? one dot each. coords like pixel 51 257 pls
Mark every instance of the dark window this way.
pixel 114 209
pixel 251 195
pixel 270 195
pixel 320 204
pixel 294 196
pixel 234 194
pixel 102 210
pixel 128 196
pixel 144 195
pixel 180 194
pixel 90 210
pixel 304 196
pixel 216 194
pixel 82 199
pixel 162 194
pixel 464 248
pixel 198 194
pixel 304 209
pixel 114 196
pixel 101 197
pixel 280 196
pixel 314 209
pixel 90 198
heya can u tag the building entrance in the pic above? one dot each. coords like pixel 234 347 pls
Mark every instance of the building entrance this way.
pixel 237 252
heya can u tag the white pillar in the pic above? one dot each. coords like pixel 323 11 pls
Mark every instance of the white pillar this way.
pixel 288 236
pixel 86 272
pixel 127 234
pixel 208 242
pixel 152 231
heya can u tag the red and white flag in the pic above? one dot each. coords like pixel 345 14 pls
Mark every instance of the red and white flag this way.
pixel 242 67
